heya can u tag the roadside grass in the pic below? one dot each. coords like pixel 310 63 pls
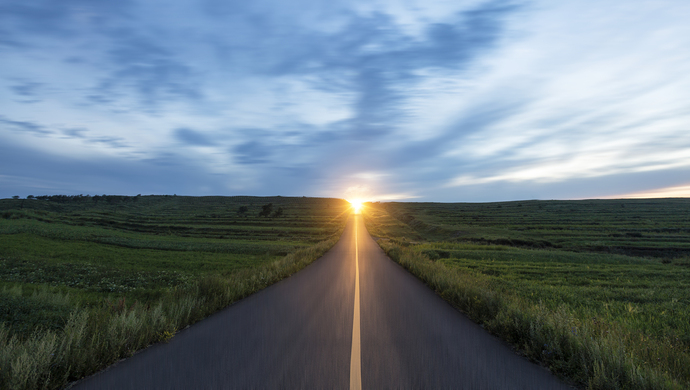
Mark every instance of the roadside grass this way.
pixel 85 283
pixel 599 320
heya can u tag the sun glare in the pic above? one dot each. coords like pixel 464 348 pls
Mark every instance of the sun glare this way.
pixel 356 205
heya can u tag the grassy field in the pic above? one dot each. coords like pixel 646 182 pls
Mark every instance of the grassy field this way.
pixel 85 280
pixel 598 291
pixel 649 227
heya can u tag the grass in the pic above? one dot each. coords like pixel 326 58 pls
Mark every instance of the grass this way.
pixel 639 227
pixel 610 315
pixel 85 281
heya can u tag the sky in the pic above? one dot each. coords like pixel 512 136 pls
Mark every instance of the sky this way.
pixel 417 100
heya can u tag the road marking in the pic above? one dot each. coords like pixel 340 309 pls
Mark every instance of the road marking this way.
pixel 356 354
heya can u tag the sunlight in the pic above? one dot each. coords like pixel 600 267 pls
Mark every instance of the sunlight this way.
pixel 667 192
pixel 356 205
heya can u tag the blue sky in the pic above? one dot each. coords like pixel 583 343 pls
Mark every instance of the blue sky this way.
pixel 384 100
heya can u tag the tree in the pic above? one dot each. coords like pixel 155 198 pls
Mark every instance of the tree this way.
pixel 15 197
pixel 266 210
pixel 242 210
pixel 278 212
pixel 30 197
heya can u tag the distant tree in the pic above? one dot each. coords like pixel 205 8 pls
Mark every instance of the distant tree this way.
pixel 242 210
pixel 15 197
pixel 30 197
pixel 278 212
pixel 266 210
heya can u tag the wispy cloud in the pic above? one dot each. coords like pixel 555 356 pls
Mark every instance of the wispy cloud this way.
pixel 27 91
pixel 192 137
pixel 253 152
pixel 74 133
pixel 24 126
pixel 148 69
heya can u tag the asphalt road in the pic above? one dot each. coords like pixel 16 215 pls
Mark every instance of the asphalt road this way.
pixel 352 319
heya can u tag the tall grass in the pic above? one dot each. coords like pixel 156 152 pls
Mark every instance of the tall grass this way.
pixel 591 353
pixel 95 337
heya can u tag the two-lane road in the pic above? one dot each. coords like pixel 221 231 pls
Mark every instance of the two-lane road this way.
pixel 351 319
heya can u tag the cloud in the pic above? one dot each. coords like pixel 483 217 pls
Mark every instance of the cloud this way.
pixel 141 73
pixel 113 142
pixel 24 21
pixel 148 68
pixel 8 41
pixel 381 60
pixel 27 171
pixel 376 61
pixel 25 126
pixel 74 133
pixel 27 91
pixel 369 58
pixel 252 152
pixel 590 164
pixel 132 60
pixel 191 137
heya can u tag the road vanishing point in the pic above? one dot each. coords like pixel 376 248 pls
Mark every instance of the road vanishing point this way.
pixel 352 319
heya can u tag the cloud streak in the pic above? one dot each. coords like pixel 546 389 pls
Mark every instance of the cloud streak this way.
pixel 24 126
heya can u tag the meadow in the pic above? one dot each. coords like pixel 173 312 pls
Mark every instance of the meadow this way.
pixel 596 290
pixel 86 280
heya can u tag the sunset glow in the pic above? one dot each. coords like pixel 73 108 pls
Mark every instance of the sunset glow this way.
pixel 356 205
pixel 668 192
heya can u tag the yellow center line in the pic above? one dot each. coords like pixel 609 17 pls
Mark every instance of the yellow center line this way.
pixel 356 354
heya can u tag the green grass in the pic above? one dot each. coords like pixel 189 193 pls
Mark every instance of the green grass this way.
pixel 85 281
pixel 603 316
pixel 639 227
pixel 30 248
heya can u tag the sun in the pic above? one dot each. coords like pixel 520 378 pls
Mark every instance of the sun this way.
pixel 356 205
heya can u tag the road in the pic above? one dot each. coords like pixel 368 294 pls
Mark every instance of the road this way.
pixel 352 319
